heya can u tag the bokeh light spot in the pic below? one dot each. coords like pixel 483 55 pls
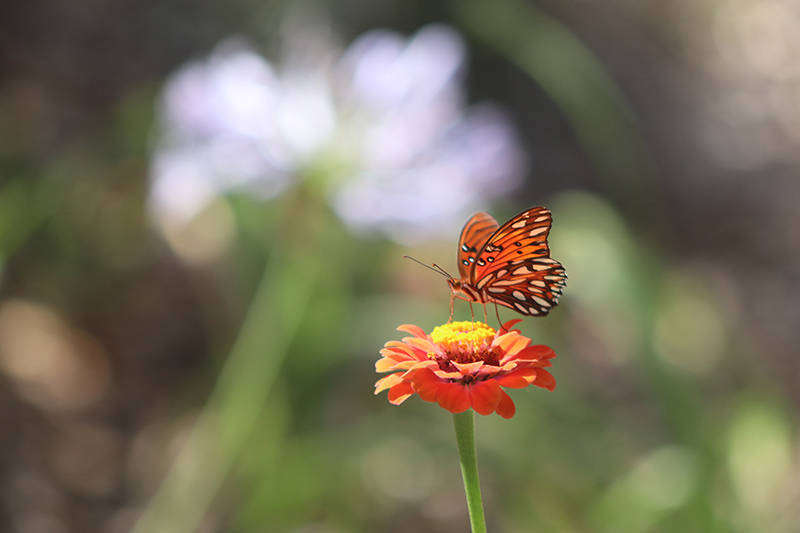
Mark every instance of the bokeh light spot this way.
pixel 759 455
pixel 207 237
pixel 53 365
pixel 689 329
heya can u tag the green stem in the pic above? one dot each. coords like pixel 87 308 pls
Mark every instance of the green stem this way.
pixel 243 386
pixel 465 437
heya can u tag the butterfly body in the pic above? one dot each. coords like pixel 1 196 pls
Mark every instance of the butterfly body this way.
pixel 509 265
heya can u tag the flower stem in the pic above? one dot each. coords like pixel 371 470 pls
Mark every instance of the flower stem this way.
pixel 244 383
pixel 465 438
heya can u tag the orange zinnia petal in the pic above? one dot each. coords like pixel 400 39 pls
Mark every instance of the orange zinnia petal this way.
pixel 395 345
pixel 453 397
pixel 414 330
pixel 395 354
pixel 385 364
pixel 508 364
pixel 484 396
pixel 444 375
pixel 400 392
pixel 511 343
pixel 536 352
pixel 506 407
pixel 545 380
pixel 390 365
pixel 423 345
pixel 406 352
pixel 505 328
pixel 419 366
pixel 517 379
pixel 426 384
pixel 387 382
pixel 468 368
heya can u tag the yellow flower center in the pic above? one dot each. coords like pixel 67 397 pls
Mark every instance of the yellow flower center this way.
pixel 466 342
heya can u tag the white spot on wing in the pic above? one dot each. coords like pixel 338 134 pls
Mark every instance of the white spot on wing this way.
pixel 507 282
pixel 519 295
pixel 520 224
pixel 543 303
pixel 521 307
pixel 537 231
pixel 522 270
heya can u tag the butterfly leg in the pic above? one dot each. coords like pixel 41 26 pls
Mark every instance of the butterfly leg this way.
pixel 485 316
pixel 471 313
pixel 452 306
pixel 497 314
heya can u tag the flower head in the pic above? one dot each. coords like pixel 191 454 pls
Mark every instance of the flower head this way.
pixel 462 365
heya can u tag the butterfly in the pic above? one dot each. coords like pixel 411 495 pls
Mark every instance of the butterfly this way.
pixel 508 265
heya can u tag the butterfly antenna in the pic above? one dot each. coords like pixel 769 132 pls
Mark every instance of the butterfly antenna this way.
pixel 435 267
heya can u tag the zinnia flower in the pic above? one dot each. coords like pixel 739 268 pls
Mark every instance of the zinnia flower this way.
pixel 462 365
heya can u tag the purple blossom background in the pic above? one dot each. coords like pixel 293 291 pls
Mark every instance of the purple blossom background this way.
pixel 384 123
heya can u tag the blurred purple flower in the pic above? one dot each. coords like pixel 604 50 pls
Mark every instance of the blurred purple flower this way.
pixel 384 124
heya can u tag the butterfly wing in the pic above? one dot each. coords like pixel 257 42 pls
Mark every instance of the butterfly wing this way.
pixel 514 267
pixel 475 234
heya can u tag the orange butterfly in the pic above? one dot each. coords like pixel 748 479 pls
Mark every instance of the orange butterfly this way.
pixel 508 265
